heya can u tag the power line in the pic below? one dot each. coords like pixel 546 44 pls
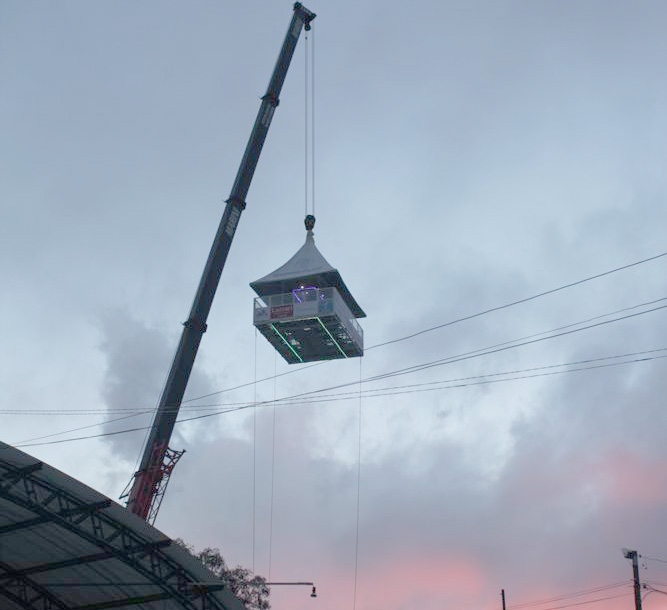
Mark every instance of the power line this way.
pixel 590 601
pixel 520 301
pixel 564 596
pixel 456 321
pixel 470 355
pixel 301 398
pixel 385 391
pixel 481 352
pixel 290 400
pixel 653 589
pixel 450 360
pixel 654 559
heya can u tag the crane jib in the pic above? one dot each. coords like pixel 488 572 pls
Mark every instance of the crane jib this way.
pixel 157 462
pixel 232 221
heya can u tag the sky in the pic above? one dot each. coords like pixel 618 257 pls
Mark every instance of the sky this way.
pixel 468 157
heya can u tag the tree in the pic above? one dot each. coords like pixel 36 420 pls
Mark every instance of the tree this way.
pixel 249 588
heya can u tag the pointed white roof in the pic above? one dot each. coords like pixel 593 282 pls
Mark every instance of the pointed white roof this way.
pixel 306 267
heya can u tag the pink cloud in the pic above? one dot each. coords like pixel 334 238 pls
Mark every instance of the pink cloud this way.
pixel 409 580
pixel 627 475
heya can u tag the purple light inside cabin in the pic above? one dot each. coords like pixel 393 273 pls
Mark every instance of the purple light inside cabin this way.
pixel 301 289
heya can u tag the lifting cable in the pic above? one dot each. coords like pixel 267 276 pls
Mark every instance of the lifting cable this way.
pixel 309 124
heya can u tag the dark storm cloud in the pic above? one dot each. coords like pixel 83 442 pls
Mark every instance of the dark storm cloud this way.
pixel 137 363
pixel 136 360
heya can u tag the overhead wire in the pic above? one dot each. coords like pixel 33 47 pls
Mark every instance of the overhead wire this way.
pixel 479 379
pixel 319 395
pixel 564 596
pixel 521 301
pixel 440 362
pixel 468 355
pixel 394 341
pixel 654 559
pixel 281 402
pixel 653 589
pixel 587 602
pixel 653 582
pixel 458 320
pixel 508 344
pixel 480 352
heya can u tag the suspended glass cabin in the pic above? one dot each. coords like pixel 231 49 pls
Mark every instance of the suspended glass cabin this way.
pixel 305 310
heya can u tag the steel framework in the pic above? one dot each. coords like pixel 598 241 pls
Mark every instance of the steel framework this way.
pixel 38 503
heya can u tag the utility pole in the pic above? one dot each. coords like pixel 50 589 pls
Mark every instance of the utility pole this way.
pixel 635 575
pixel 502 594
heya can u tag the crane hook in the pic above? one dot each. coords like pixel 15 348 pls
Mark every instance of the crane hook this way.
pixel 309 222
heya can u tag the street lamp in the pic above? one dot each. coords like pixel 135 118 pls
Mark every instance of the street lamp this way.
pixel 207 587
pixel 313 592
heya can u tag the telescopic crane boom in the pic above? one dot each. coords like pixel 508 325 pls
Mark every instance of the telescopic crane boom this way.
pixel 158 460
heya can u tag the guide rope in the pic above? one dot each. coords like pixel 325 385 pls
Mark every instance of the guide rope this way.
pixel 254 461
pixel 273 462
pixel 356 541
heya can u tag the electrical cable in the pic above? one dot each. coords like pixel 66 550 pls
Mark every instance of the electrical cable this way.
pixel 384 391
pixel 651 589
pixel 451 359
pixel 440 362
pixel 652 583
pixel 467 356
pixel 95 425
pixel 564 596
pixel 654 559
pixel 192 407
pixel 458 320
pixel 585 603
pixel 261 404
pixel 520 301
pixel 479 351
pixel 379 345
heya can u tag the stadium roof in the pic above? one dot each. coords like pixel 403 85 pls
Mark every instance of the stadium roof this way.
pixel 64 546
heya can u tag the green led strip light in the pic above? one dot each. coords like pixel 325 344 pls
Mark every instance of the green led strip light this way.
pixel 286 342
pixel 326 330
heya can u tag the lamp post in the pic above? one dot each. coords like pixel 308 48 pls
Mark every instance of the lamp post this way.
pixel 313 592
pixel 205 587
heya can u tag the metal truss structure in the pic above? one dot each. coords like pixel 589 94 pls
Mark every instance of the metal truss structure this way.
pixel 63 546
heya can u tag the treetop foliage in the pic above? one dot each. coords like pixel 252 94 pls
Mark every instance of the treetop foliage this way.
pixel 249 588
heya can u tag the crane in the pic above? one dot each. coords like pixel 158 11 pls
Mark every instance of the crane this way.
pixel 158 460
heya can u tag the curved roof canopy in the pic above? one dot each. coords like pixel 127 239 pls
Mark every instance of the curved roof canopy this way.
pixel 306 268
pixel 63 546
